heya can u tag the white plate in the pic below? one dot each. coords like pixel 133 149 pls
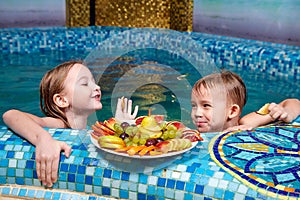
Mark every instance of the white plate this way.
pixel 173 153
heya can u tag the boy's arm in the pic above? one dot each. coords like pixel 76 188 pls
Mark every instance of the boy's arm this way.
pixel 47 149
pixel 286 111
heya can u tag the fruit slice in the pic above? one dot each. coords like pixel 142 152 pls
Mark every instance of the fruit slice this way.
pixel 99 131
pixel 123 149
pixel 264 110
pixel 146 150
pixel 105 128
pixel 150 133
pixel 111 139
pixel 96 135
pixel 155 153
pixel 177 124
pixel 110 123
pixel 158 119
pixel 192 135
pixel 135 149
pixel 174 145
pixel 110 145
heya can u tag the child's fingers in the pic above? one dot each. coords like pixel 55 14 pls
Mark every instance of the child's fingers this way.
pixel 48 173
pixel 43 172
pixel 271 106
pixel 38 170
pixel 129 106
pixel 135 112
pixel 125 105
pixel 66 148
pixel 54 170
pixel 284 117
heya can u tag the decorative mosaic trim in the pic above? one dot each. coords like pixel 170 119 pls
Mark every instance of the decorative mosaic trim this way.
pixel 265 159
pixel 270 58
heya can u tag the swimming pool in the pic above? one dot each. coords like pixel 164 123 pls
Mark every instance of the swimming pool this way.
pixel 138 60
pixel 150 61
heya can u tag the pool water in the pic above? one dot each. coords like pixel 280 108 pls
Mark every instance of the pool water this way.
pixel 21 73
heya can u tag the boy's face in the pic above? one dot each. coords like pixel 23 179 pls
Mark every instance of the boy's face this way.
pixel 209 111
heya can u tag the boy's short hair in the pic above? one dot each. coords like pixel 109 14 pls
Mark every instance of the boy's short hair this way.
pixel 229 82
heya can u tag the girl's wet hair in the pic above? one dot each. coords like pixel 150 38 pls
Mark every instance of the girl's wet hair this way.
pixel 229 82
pixel 53 83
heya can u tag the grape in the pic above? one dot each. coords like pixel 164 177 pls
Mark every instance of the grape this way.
pixel 172 134
pixel 151 141
pixel 135 139
pixel 135 129
pixel 172 127
pixel 143 141
pixel 164 137
pixel 129 130
pixel 129 143
pixel 123 136
pixel 118 128
pixel 124 125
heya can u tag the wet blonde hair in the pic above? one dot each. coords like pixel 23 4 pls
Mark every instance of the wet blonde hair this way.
pixel 225 81
pixel 53 83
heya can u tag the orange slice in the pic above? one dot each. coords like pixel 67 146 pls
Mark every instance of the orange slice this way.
pixel 146 150
pixel 135 149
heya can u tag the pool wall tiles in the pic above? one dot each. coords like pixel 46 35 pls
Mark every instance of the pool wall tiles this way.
pixel 192 176
pixel 270 58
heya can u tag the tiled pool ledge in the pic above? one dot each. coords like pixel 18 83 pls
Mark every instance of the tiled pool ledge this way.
pixel 193 175
pixel 270 58
pixel 9 192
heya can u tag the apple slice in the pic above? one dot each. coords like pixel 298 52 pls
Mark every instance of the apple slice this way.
pixel 105 128
pixel 177 124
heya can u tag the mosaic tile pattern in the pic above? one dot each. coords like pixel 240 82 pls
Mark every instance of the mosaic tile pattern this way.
pixel 268 58
pixel 176 15
pixel 77 13
pixel 265 159
pixel 88 170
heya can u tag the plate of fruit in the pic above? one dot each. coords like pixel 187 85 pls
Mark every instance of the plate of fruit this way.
pixel 145 137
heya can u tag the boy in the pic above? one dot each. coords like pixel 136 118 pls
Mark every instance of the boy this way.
pixel 217 103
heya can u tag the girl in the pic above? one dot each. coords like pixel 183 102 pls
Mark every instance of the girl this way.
pixel 68 95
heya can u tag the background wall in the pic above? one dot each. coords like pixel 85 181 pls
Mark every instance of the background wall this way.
pixel 268 20
pixel 32 13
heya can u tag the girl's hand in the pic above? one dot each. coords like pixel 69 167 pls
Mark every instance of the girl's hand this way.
pixel 47 159
pixel 124 109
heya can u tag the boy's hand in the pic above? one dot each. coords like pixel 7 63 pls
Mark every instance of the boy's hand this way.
pixel 47 159
pixel 276 111
pixel 124 109
pixel 238 127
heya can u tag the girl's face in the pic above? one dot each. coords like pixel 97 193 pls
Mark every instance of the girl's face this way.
pixel 81 91
pixel 209 110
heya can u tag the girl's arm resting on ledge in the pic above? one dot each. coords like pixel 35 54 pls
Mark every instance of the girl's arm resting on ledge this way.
pixel 47 149
pixel 29 126
pixel 287 111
